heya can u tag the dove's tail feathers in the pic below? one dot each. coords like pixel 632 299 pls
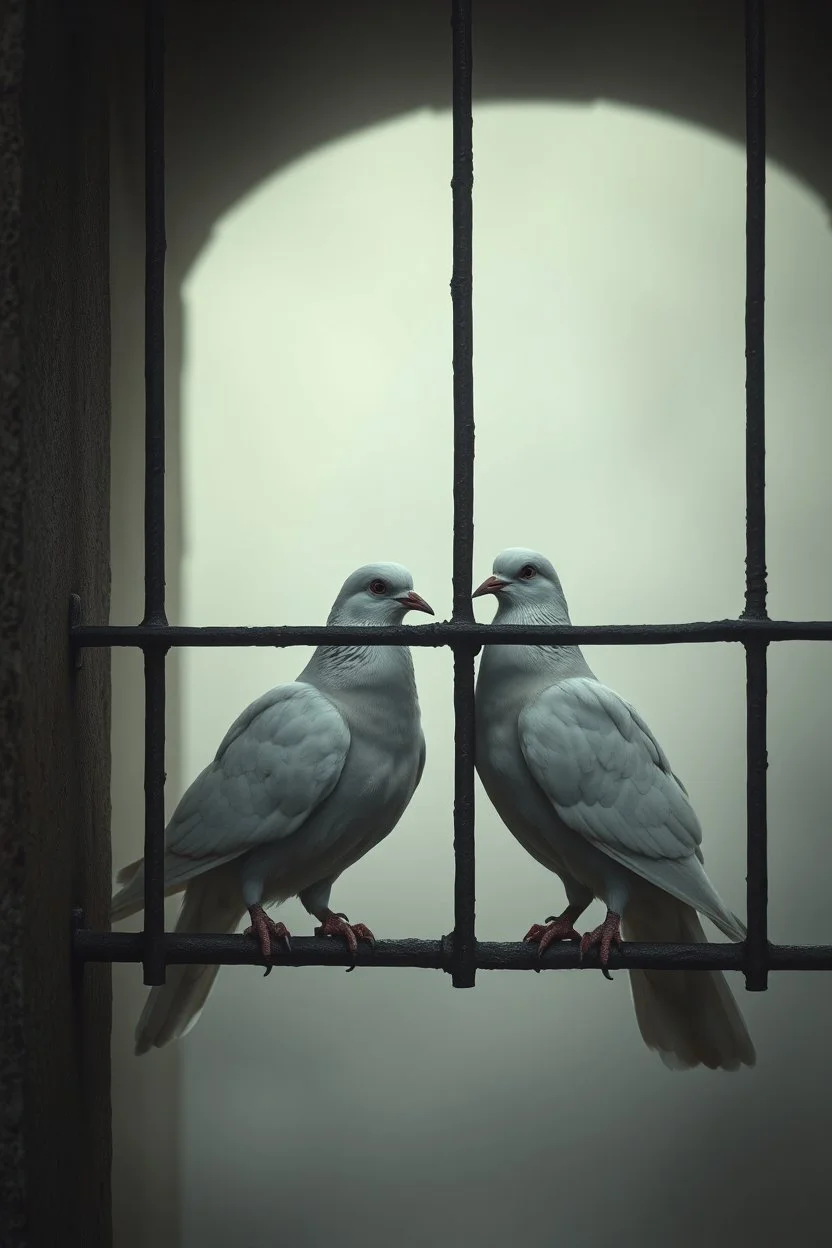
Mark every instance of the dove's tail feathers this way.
pixel 126 874
pixel 173 1008
pixel 689 1017
pixel 129 899
pixel 178 874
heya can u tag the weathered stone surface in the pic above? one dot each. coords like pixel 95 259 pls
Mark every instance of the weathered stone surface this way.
pixel 54 539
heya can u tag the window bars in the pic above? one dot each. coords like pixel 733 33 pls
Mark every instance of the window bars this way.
pixel 460 954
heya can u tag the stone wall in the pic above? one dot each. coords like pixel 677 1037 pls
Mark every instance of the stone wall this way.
pixel 54 540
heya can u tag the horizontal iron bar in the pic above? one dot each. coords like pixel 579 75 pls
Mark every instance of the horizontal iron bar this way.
pixel 90 946
pixel 146 636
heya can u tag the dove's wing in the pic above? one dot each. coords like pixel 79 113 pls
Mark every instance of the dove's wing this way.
pixel 609 780
pixel 279 760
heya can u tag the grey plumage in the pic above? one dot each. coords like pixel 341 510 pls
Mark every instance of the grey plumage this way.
pixel 309 778
pixel 579 779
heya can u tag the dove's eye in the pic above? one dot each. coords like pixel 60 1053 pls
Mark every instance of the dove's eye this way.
pixel 378 586
pixel 528 571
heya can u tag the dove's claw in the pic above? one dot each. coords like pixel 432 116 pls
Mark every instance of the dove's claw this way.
pixel 267 933
pixel 604 936
pixel 544 935
pixel 338 925
pixel 363 933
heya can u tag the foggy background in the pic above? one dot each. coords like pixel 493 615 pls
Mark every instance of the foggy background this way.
pixel 309 388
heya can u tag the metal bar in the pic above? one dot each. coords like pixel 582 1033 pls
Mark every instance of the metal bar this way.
pixel 154 498
pixel 184 948
pixel 463 314
pixel 755 261
pixel 464 972
pixel 464 945
pixel 755 559
pixel 154 818
pixel 450 634
pixel 756 818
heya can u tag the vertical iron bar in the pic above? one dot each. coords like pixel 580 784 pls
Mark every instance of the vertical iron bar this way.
pixel 464 947
pixel 755 261
pixel 756 680
pixel 755 449
pixel 154 497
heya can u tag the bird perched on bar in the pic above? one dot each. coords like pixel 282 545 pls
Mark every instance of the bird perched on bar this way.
pixel 309 778
pixel 577 776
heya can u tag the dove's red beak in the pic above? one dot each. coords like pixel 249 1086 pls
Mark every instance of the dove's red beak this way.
pixel 415 602
pixel 491 586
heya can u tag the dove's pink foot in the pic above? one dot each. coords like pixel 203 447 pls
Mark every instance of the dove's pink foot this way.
pixel 560 928
pixel 337 925
pixel 268 933
pixel 604 936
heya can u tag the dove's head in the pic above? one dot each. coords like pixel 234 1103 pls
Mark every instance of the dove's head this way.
pixel 378 593
pixel 526 586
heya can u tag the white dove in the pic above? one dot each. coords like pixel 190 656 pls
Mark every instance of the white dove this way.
pixel 581 782
pixel 308 779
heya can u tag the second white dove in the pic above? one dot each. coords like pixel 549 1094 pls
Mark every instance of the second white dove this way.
pixel 579 779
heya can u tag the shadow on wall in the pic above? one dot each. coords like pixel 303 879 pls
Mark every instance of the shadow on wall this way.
pixel 315 422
